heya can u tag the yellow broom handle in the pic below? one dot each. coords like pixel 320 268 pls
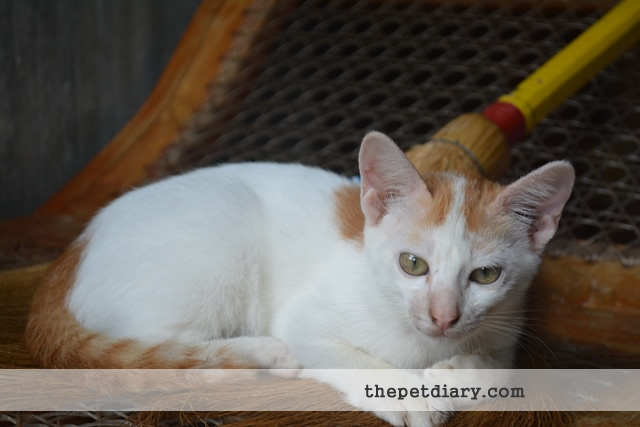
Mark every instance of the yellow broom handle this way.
pixel 574 65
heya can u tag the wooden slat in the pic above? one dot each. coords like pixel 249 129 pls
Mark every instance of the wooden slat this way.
pixel 601 285
pixel 590 305
pixel 25 241
pixel 16 290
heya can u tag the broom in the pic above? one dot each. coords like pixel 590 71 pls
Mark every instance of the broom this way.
pixel 479 143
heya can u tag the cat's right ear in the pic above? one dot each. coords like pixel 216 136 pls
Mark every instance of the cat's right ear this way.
pixel 387 176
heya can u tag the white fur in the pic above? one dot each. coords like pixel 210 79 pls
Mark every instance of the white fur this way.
pixel 254 250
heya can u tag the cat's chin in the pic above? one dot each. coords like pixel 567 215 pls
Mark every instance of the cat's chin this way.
pixel 449 335
pixel 437 334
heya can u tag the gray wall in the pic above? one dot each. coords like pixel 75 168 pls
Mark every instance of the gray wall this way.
pixel 72 73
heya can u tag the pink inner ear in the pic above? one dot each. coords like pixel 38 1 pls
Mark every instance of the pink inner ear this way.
pixel 385 171
pixel 372 207
pixel 543 230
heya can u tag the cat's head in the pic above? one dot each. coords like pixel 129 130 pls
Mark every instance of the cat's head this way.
pixel 453 251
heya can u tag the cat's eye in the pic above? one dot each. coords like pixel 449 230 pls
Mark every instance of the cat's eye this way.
pixel 485 275
pixel 413 265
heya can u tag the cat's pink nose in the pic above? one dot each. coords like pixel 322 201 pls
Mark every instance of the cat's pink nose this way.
pixel 445 319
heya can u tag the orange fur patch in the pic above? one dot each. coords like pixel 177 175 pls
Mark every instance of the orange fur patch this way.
pixel 439 205
pixel 55 339
pixel 226 359
pixel 478 194
pixel 45 309
pixel 349 214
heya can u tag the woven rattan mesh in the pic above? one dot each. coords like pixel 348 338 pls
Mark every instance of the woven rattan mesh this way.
pixel 104 419
pixel 60 419
pixel 324 72
pixel 122 419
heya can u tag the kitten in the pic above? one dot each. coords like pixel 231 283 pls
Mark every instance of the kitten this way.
pixel 267 265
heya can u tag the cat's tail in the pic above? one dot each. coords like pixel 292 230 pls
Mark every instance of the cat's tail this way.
pixel 55 339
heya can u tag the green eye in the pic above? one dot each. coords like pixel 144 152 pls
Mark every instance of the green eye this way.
pixel 413 265
pixel 485 275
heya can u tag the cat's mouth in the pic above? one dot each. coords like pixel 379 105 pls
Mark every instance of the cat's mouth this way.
pixel 434 332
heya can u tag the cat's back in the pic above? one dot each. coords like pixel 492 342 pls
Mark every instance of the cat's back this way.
pixel 186 232
pixel 204 196
pixel 216 209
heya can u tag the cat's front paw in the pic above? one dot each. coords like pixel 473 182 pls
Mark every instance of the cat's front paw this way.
pixel 273 354
pixel 446 370
pixel 470 373
pixel 400 411
pixel 412 416
pixel 459 362
pixel 443 372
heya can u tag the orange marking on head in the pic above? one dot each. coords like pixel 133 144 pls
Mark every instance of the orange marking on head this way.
pixel 441 200
pixel 478 195
pixel 349 214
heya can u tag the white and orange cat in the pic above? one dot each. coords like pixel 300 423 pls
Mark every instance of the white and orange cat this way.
pixel 268 265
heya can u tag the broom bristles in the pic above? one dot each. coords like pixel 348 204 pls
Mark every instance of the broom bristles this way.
pixel 469 144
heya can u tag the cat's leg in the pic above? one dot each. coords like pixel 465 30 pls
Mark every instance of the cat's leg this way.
pixel 364 370
pixel 261 352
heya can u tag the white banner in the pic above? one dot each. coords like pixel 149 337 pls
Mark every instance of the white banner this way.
pixel 261 390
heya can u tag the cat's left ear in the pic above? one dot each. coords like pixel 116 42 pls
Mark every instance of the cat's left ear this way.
pixel 537 200
pixel 387 176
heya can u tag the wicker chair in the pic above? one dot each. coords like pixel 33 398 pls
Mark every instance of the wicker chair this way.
pixel 303 81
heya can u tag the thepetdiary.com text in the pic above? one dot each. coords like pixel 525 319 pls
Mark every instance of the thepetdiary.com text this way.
pixel 442 391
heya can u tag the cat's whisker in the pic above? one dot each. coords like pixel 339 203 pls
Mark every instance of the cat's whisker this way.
pixel 510 334
pixel 549 305
pixel 524 336
pixel 527 320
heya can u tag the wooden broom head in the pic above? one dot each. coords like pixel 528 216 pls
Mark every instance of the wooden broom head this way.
pixel 470 144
